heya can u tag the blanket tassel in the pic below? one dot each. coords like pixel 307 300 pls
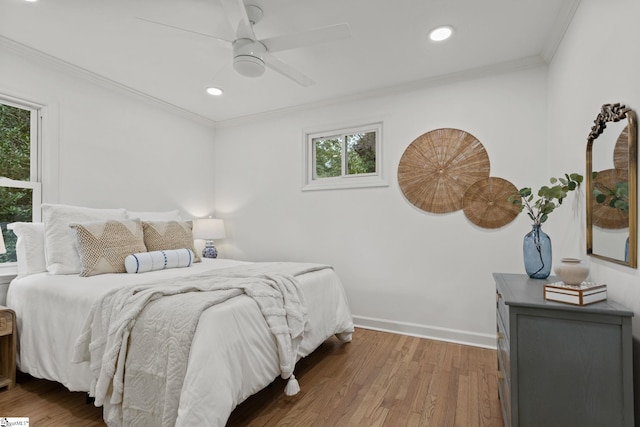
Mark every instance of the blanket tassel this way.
pixel 292 387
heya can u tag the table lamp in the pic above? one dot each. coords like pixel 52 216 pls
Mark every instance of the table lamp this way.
pixel 209 229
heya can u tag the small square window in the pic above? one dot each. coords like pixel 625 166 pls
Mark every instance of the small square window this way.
pixel 345 158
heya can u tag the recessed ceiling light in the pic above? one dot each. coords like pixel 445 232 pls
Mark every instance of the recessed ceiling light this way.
pixel 441 33
pixel 215 91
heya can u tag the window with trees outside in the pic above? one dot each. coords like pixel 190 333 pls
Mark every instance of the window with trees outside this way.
pixel 20 188
pixel 344 158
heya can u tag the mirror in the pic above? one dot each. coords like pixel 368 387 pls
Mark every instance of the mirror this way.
pixel 611 186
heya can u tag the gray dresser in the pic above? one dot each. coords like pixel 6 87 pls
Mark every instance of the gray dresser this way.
pixel 558 364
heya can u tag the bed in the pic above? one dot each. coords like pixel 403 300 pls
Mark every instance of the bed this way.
pixel 234 351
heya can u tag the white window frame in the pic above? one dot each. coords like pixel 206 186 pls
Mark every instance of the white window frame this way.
pixel 35 163
pixel 311 182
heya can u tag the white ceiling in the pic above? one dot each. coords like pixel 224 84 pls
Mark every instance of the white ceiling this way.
pixel 388 46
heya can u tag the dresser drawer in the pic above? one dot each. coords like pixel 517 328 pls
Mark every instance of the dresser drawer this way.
pixel 503 311
pixel 6 323
pixel 503 350
pixel 504 392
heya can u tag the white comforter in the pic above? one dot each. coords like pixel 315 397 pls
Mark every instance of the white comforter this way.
pixel 240 358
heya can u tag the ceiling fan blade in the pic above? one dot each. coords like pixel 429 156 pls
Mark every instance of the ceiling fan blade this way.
pixel 307 38
pixel 287 70
pixel 238 18
pixel 225 41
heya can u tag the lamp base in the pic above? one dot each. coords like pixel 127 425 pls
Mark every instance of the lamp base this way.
pixel 209 250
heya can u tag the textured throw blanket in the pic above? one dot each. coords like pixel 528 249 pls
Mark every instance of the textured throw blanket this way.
pixel 161 319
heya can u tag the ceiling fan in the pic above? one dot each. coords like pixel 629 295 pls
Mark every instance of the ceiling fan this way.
pixel 252 55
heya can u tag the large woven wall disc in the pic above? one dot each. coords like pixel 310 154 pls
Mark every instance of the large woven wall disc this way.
pixel 487 205
pixel 621 150
pixel 437 168
pixel 605 216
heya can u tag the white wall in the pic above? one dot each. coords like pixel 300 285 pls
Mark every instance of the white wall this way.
pixel 404 269
pixel 111 148
pixel 597 63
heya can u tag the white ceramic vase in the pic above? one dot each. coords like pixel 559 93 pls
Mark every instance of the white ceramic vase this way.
pixel 572 271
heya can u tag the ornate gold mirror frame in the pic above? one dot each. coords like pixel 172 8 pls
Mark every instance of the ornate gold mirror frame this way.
pixel 611 187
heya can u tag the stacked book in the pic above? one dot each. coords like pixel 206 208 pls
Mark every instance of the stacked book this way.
pixel 582 294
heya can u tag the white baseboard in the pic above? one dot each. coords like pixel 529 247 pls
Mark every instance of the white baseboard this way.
pixel 424 331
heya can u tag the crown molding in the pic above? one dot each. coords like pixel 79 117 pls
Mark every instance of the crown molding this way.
pixel 470 74
pixel 95 78
pixel 558 30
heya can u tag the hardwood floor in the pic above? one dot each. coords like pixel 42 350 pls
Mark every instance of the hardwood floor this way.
pixel 379 379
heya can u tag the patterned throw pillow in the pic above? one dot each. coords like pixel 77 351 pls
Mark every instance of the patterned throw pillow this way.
pixel 104 245
pixel 60 243
pixel 163 235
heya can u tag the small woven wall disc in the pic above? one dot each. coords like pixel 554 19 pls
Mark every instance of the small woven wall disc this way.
pixel 621 150
pixel 605 216
pixel 487 205
pixel 438 167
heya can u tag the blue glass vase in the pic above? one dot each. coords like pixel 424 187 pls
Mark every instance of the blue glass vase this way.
pixel 536 250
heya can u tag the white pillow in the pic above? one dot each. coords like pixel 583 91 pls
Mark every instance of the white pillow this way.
pixel 61 247
pixel 158 260
pixel 155 215
pixel 29 247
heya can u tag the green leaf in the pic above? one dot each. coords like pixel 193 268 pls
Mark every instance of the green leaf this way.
pixel 548 198
pixel 525 192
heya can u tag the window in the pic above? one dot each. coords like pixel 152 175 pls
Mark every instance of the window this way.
pixel 20 191
pixel 344 158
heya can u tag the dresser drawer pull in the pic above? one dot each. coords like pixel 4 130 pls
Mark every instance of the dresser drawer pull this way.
pixel 500 335
pixel 500 375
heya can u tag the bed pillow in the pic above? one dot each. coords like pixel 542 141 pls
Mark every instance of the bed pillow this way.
pixel 29 247
pixel 104 245
pixel 164 235
pixel 155 215
pixel 158 260
pixel 60 243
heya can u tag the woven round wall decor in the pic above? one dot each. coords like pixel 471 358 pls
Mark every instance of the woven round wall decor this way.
pixel 439 166
pixel 605 216
pixel 621 150
pixel 487 205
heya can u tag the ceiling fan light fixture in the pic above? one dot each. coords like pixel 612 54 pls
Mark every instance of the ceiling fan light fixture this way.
pixel 247 57
pixel 248 66
pixel 441 33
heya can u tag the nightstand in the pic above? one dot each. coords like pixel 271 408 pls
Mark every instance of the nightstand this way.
pixel 7 347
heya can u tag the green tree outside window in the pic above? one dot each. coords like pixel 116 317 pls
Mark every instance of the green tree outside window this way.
pixel 15 158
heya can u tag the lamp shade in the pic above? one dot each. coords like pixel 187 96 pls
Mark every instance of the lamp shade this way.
pixel 208 229
pixel 3 250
